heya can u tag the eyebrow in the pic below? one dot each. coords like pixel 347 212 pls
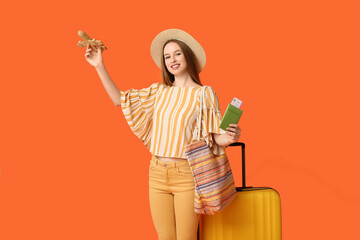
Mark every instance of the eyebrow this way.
pixel 169 53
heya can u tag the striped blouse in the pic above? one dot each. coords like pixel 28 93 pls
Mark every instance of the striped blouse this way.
pixel 165 117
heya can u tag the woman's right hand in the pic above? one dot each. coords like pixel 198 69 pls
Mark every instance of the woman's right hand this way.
pixel 94 58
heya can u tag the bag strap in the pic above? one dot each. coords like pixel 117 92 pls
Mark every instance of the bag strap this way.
pixel 201 99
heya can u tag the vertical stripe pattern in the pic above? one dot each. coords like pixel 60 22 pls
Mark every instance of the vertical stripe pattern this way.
pixel 165 118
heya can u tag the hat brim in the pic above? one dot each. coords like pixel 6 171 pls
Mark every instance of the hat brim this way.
pixel 157 46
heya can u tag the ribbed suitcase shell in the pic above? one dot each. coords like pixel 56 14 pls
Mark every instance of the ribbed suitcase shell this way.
pixel 254 214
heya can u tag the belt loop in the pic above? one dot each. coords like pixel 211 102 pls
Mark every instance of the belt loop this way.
pixel 155 160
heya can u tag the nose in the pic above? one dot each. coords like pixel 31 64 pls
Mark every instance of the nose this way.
pixel 173 59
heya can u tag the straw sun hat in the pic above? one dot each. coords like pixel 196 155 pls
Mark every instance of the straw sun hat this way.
pixel 157 45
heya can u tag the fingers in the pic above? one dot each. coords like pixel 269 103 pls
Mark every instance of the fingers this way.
pixel 99 48
pixel 233 132
pixel 89 51
pixel 88 48
pixel 231 138
pixel 233 128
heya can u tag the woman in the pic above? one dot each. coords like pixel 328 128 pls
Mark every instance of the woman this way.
pixel 164 117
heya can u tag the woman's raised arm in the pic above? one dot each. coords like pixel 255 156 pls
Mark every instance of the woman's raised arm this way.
pixel 96 60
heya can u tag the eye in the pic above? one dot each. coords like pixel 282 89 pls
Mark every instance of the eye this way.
pixel 178 54
pixel 167 57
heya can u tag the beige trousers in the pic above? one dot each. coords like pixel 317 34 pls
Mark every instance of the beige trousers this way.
pixel 171 190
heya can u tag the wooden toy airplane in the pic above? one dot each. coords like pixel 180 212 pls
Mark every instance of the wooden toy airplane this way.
pixel 88 40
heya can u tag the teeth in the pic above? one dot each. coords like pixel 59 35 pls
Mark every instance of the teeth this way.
pixel 175 66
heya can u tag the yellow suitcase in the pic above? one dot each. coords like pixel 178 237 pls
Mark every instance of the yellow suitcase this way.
pixel 254 214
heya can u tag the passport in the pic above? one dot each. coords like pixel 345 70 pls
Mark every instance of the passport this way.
pixel 232 116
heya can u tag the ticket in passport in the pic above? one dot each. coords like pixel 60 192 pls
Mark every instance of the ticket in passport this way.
pixel 232 114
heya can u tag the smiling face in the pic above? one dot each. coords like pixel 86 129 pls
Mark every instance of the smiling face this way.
pixel 175 61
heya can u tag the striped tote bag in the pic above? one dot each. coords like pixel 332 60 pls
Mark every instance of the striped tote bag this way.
pixel 214 182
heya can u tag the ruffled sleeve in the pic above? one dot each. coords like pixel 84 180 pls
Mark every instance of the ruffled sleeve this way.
pixel 138 109
pixel 211 120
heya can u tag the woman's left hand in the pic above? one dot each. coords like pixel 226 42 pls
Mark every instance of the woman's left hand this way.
pixel 233 133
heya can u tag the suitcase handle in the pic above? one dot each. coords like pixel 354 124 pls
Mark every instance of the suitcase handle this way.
pixel 242 159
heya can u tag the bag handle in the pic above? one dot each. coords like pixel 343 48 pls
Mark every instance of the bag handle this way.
pixel 201 99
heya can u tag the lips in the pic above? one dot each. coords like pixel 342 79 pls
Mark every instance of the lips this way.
pixel 175 66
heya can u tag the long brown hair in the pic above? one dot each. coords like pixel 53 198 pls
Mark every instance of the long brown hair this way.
pixel 192 64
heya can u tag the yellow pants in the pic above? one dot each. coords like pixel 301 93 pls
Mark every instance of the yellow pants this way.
pixel 171 190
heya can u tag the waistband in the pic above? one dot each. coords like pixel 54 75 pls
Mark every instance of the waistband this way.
pixel 157 161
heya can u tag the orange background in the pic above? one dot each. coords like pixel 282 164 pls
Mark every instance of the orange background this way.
pixel 70 167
